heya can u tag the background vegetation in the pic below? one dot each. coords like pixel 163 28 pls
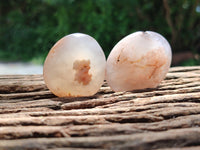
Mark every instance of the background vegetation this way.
pixel 29 28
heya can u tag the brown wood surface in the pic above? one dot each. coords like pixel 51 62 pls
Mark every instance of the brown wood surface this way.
pixel 167 117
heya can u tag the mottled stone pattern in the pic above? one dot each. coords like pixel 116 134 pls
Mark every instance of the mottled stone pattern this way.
pixel 166 117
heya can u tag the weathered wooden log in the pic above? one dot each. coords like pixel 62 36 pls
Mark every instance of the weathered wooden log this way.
pixel 167 117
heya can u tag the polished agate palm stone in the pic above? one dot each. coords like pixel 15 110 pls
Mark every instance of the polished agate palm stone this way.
pixel 75 66
pixel 140 60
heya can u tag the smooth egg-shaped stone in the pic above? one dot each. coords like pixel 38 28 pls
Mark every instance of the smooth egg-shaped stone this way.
pixel 75 66
pixel 140 60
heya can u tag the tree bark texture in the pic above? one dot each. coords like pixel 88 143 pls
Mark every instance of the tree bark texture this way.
pixel 167 117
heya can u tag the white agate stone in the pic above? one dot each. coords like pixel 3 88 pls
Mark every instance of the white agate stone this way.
pixel 140 60
pixel 75 66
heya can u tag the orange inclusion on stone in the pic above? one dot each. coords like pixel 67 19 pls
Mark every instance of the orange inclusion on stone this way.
pixel 82 68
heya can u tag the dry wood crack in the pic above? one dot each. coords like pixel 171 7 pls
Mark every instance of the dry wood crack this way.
pixel 167 117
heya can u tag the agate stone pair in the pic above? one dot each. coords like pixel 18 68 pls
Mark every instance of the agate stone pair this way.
pixel 76 64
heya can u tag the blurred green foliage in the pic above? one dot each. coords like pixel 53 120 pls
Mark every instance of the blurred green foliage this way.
pixel 29 28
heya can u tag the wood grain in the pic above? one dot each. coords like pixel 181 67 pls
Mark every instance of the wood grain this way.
pixel 167 117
